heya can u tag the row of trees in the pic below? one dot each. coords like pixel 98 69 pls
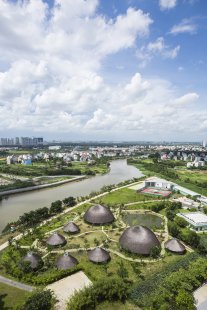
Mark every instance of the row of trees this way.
pixel 32 218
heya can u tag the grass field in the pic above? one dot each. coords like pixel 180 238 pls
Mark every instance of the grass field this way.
pixel 193 175
pixel 122 196
pixel 11 297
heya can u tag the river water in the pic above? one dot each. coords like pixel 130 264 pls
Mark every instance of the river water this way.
pixel 15 205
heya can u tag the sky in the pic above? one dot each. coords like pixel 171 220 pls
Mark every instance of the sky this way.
pixel 132 70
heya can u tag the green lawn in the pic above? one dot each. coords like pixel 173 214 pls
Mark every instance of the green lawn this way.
pixel 124 195
pixel 11 297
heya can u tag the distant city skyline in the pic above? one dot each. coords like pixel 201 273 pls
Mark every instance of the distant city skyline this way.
pixel 85 70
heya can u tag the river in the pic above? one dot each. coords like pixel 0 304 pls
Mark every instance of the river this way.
pixel 15 205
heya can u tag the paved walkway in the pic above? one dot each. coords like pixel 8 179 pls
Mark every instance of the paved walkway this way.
pixel 65 288
pixel 19 285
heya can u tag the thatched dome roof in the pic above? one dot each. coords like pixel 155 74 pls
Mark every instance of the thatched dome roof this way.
pixel 138 239
pixel 174 245
pixel 66 261
pixel 98 214
pixel 71 227
pixel 34 260
pixel 56 239
pixel 98 255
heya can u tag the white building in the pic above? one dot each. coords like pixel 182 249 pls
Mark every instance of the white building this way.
pixel 196 220
pixel 158 183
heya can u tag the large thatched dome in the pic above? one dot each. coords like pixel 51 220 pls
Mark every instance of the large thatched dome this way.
pixel 138 239
pixel 33 259
pixel 56 239
pixel 175 246
pixel 71 227
pixel 98 214
pixel 98 255
pixel 66 261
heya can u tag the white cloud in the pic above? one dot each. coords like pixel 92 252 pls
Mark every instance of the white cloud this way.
pixel 167 4
pixel 185 26
pixel 158 47
pixel 51 82
pixel 187 99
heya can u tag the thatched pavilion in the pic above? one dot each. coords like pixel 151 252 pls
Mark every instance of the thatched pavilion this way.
pixel 98 255
pixel 139 240
pixel 33 259
pixel 56 239
pixel 71 228
pixel 174 245
pixel 99 215
pixel 66 261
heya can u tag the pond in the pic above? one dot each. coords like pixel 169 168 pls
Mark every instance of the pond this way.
pixel 148 220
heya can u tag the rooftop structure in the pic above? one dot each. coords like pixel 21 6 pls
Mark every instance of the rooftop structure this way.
pixel 197 220
pixel 139 239
pixel 98 255
pixel 66 261
pixel 98 214
pixel 175 246
pixel 56 239
pixel 71 227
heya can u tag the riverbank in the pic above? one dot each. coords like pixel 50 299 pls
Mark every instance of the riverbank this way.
pixel 38 187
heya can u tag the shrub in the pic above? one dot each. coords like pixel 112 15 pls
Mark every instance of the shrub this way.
pixel 104 289
pixel 39 300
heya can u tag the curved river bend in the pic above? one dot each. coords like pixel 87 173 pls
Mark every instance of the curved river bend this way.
pixel 15 205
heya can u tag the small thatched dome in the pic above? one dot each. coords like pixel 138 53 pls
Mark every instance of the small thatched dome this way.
pixel 33 259
pixel 66 261
pixel 98 255
pixel 98 214
pixel 139 240
pixel 71 227
pixel 175 246
pixel 56 239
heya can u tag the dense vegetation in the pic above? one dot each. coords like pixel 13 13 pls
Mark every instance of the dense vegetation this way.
pixel 171 287
pixel 39 300
pixel 106 289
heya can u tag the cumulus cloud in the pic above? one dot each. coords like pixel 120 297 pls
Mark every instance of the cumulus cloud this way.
pixel 50 79
pixel 185 26
pixel 156 48
pixel 167 4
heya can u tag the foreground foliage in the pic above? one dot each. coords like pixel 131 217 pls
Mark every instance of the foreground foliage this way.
pixel 171 288
pixel 105 289
pixel 40 300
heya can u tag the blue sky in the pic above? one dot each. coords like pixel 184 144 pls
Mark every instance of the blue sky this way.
pixel 104 70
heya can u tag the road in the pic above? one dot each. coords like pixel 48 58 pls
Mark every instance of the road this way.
pixel 19 285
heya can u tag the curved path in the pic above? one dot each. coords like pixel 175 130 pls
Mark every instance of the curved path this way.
pixel 19 285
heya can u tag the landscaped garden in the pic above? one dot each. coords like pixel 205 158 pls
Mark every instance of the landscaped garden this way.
pixel 128 209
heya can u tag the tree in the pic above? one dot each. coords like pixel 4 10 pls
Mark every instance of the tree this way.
pixel 181 222
pixel 69 201
pixel 40 300
pixel 185 300
pixel 155 252
pixel 173 229
pixel 56 207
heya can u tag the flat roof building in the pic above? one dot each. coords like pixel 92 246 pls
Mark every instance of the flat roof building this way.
pixel 196 220
pixel 158 183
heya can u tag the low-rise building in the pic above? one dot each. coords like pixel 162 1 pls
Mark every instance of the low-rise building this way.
pixel 158 183
pixel 197 220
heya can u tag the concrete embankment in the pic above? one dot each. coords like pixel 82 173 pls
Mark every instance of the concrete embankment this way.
pixel 36 187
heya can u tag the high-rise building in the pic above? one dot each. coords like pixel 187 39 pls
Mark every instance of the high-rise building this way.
pixel 204 143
